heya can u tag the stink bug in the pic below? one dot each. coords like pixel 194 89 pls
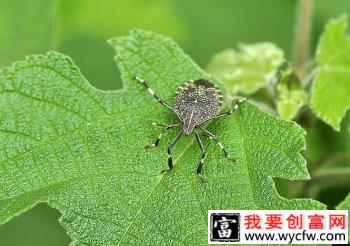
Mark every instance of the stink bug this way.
pixel 196 102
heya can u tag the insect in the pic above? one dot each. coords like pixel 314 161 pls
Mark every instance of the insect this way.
pixel 196 102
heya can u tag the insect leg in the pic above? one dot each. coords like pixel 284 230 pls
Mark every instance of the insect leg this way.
pixel 216 139
pixel 234 108
pixel 200 165
pixel 157 124
pixel 165 128
pixel 161 101
pixel 170 146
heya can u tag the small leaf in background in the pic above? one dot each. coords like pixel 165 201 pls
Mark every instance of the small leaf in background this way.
pixel 290 101
pixel 81 150
pixel 290 96
pixel 345 205
pixel 331 87
pixel 248 69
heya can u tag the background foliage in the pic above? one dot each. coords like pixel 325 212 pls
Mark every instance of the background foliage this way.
pixel 80 29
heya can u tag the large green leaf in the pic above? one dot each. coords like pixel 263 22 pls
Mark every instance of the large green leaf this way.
pixel 331 88
pixel 81 150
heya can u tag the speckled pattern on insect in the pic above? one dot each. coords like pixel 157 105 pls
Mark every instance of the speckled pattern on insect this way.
pixel 196 102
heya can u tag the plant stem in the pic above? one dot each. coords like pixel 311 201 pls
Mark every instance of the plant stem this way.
pixel 327 161
pixel 321 179
pixel 302 37
pixel 334 174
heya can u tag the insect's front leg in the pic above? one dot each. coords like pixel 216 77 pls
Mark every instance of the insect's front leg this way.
pixel 234 108
pixel 165 128
pixel 150 91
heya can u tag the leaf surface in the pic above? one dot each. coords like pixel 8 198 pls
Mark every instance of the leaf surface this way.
pixel 331 87
pixel 81 150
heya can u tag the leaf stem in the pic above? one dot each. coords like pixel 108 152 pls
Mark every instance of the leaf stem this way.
pixel 302 37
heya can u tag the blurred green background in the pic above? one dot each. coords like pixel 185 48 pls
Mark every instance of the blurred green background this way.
pixel 80 29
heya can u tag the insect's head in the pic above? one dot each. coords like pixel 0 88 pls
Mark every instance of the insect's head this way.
pixel 188 125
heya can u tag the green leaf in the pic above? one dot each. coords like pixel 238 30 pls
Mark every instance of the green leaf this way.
pixel 248 69
pixel 23 31
pixel 290 101
pixel 81 150
pixel 330 97
pixel 345 205
pixel 291 97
